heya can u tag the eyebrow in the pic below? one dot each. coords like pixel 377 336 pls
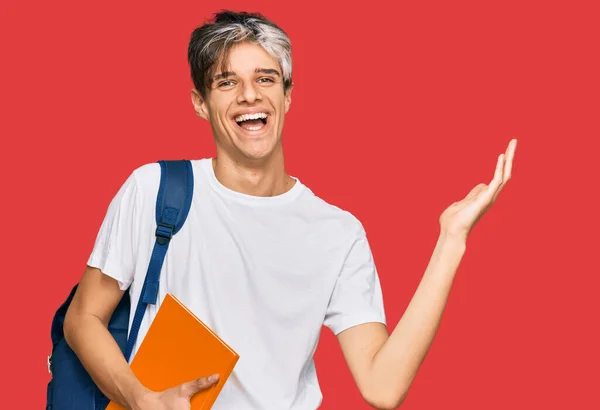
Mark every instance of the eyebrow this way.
pixel 268 71
pixel 226 74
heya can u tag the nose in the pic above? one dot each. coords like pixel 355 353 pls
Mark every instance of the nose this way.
pixel 249 93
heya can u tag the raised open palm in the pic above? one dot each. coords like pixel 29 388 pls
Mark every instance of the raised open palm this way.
pixel 460 217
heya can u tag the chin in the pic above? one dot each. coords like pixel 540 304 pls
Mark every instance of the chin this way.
pixel 257 154
pixel 257 142
pixel 258 150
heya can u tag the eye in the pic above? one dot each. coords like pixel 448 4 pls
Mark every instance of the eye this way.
pixel 226 83
pixel 265 79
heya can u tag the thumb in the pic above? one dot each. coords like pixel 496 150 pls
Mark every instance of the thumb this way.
pixel 476 190
pixel 190 388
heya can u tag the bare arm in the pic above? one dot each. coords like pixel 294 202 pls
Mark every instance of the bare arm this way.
pixel 384 365
pixel 86 333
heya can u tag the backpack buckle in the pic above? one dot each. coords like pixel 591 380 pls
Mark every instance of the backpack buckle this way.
pixel 164 232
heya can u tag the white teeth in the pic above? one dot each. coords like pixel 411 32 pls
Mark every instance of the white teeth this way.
pixel 253 128
pixel 246 117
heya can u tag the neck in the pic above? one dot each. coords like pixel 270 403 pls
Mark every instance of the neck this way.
pixel 266 177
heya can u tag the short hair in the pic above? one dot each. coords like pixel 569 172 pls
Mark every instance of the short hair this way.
pixel 215 38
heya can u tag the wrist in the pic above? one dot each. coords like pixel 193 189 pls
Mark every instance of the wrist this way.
pixel 136 396
pixel 456 239
pixel 452 244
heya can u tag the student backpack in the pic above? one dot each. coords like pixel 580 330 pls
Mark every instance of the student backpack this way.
pixel 71 387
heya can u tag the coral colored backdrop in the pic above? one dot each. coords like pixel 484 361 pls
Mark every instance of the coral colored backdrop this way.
pixel 399 109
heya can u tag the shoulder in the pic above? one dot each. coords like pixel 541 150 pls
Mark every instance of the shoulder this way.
pixel 334 217
pixel 140 187
pixel 147 175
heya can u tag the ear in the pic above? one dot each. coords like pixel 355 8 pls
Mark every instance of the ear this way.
pixel 199 105
pixel 288 97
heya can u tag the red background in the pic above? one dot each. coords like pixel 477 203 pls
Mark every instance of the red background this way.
pixel 399 110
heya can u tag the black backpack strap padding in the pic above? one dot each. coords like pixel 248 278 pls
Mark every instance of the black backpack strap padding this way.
pixel 172 207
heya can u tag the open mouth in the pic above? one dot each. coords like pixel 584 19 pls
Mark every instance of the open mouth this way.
pixel 252 122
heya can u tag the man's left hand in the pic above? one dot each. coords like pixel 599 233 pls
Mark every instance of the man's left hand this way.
pixel 459 218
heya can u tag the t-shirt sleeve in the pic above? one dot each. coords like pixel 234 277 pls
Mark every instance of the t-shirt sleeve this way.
pixel 114 250
pixel 357 297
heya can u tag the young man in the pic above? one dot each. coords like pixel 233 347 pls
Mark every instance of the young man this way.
pixel 262 260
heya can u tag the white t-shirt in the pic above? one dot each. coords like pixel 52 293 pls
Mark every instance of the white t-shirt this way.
pixel 264 273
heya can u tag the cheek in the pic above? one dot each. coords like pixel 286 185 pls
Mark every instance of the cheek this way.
pixel 217 108
pixel 219 116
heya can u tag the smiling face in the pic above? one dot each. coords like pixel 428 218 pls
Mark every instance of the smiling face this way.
pixel 246 104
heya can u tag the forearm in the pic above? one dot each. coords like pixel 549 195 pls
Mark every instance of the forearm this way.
pixel 396 363
pixel 99 353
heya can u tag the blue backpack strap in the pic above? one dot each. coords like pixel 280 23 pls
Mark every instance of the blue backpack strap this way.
pixel 172 207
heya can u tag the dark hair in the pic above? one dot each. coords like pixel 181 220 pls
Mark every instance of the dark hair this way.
pixel 215 38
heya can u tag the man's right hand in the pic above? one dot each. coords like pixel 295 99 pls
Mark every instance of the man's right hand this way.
pixel 176 398
pixel 86 332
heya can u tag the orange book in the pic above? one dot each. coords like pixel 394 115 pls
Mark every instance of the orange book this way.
pixel 179 348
